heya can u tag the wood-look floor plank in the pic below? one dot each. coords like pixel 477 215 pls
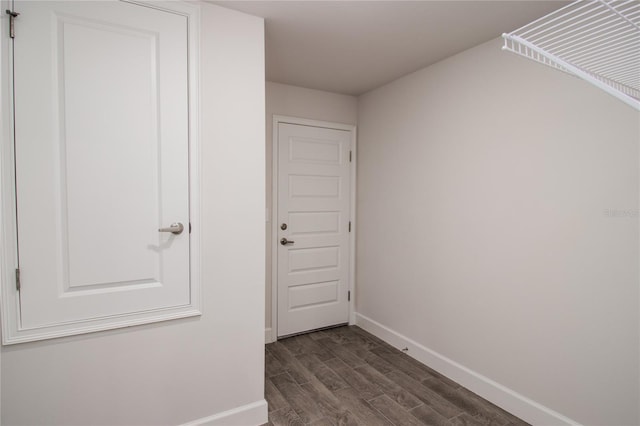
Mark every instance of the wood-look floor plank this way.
pixel 285 417
pixel 389 387
pixel 304 406
pixel 273 367
pixel 429 416
pixel 476 407
pixel 464 419
pixel 513 420
pixel 311 346
pixel 394 412
pixel 335 335
pixel 321 422
pixel 409 366
pixel 491 411
pixel 349 358
pixel 274 398
pixel 361 384
pixel 435 376
pixel 293 345
pixel 361 409
pixel 353 337
pixel 333 409
pixel 347 376
pixel 440 388
pixel 424 394
pixel 396 359
pixel 320 334
pixel 374 339
pixel 369 357
pixel 463 399
pixel 408 359
pixel 325 374
pixel 290 363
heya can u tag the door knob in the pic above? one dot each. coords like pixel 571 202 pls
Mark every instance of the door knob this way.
pixel 175 228
pixel 284 241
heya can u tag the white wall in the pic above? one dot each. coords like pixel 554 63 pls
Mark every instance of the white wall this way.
pixel 178 371
pixel 295 101
pixel 483 186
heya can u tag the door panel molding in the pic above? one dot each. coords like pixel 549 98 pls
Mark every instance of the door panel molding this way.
pixel 281 119
pixel 12 331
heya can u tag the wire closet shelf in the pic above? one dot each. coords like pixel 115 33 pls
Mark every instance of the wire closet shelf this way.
pixel 596 40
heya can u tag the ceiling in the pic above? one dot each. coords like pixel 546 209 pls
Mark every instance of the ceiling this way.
pixel 352 47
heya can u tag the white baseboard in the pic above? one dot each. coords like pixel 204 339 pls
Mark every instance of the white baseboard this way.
pixel 268 336
pixel 255 413
pixel 509 400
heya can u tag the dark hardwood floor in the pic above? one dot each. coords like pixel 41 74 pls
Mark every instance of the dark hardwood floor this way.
pixel 346 376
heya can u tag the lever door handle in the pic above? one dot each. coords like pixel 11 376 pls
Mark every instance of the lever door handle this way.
pixel 175 228
pixel 284 241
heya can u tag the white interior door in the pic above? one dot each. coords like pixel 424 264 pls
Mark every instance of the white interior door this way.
pixel 101 125
pixel 313 227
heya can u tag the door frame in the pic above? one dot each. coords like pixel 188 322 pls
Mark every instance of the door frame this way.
pixel 12 332
pixel 282 119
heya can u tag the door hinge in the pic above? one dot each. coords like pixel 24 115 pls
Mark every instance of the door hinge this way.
pixel 349 296
pixel 189 227
pixel 349 226
pixel 12 17
pixel 350 156
pixel 18 279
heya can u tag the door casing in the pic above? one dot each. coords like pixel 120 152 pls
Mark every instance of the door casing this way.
pixel 11 330
pixel 278 119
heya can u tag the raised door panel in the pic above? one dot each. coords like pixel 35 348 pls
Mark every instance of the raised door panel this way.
pixel 313 295
pixel 314 223
pixel 314 151
pixel 109 172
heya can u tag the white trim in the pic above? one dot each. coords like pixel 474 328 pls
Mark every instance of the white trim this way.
pixel 8 247
pixel 255 413
pixel 352 241
pixel 274 228
pixel 312 123
pixel 11 331
pixel 277 119
pixel 508 399
pixel 268 336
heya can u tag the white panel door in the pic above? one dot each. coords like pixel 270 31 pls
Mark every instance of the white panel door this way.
pixel 101 125
pixel 313 227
